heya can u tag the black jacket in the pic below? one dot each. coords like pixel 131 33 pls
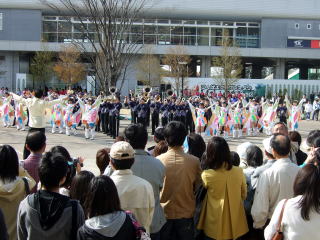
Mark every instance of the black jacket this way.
pixel 126 232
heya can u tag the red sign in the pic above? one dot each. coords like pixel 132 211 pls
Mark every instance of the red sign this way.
pixel 315 43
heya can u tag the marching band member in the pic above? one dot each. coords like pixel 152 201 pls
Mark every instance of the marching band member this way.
pixel 114 117
pixel 165 113
pixel 142 111
pixel 155 111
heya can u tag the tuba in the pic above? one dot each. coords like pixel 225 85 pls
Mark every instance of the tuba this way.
pixel 146 91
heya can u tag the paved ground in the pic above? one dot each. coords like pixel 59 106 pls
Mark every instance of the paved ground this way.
pixel 78 146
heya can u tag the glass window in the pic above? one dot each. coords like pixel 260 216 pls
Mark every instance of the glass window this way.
pixel 241 32
pixel 203 40
pixel 150 29
pixel 150 39
pixel 216 31
pixel 241 42
pixel 203 31
pixel 80 37
pixel 190 40
pixel 137 29
pixel 163 39
pixel 136 38
pixel 149 21
pixel 253 43
pixel 216 41
pixel 64 37
pixel 254 25
pixel 189 22
pixel 253 32
pixel 176 22
pixel 215 23
pixel 201 22
pixel 50 26
pixel 177 30
pixel 190 31
pixel 241 24
pixel 166 21
pixel 49 37
pixel 91 27
pixel 227 23
pixel 163 30
pixel 64 18
pixel 176 39
pixel 78 27
pixel 49 18
pixel 64 26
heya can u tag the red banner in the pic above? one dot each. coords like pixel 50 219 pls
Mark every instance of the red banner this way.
pixel 315 43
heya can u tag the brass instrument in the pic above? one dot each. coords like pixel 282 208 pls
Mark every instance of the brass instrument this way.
pixel 113 90
pixel 169 92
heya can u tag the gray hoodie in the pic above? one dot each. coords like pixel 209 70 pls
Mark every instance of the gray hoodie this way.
pixel 47 216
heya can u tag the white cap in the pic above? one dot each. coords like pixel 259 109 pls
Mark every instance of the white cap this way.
pixel 266 145
pixel 242 150
pixel 121 151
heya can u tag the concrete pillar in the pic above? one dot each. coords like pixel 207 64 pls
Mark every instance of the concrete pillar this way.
pixel 205 66
pixel 256 71
pixel 280 69
pixel 303 72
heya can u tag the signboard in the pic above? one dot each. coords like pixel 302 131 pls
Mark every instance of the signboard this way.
pixel 302 43
pixel 299 43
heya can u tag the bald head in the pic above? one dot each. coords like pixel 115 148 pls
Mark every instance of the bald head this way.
pixel 280 128
pixel 280 145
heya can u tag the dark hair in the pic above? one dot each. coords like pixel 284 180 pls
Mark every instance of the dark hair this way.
pixel 196 144
pixel 102 197
pixel 175 133
pixel 136 135
pixel 295 137
pixel 119 139
pixel 102 159
pixel 307 184
pixel 160 148
pixel 218 154
pixel 71 168
pixel 9 163
pixel 312 136
pixel 36 140
pixel 122 164
pixel 235 158
pixel 159 134
pixel 38 93
pixel 280 144
pixel 80 185
pixel 316 142
pixel 53 167
pixel 254 156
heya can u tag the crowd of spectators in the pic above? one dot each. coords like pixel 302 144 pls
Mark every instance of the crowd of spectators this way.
pixel 181 188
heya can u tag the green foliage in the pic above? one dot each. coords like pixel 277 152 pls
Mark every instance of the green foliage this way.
pixel 41 66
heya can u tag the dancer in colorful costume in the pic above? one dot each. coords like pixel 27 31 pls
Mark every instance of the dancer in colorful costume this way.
pixel 295 111
pixel 269 113
pixel 252 128
pixel 57 118
pixel 89 115
pixel 5 109
pixel 21 116
pixel 72 117
pixel 237 119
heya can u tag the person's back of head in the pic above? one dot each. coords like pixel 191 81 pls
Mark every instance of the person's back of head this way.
pixel 175 134
pixel 36 142
pixel 136 135
pixel 38 93
pixel 307 184
pixel 196 144
pixel 159 134
pixel 102 197
pixel 218 154
pixel 80 185
pixel 235 158
pixel 314 134
pixel 254 156
pixel 53 170
pixel 295 137
pixel 102 159
pixel 160 148
pixel 121 156
pixel 9 164
pixel 280 145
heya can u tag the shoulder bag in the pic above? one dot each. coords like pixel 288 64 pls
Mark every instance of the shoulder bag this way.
pixel 279 234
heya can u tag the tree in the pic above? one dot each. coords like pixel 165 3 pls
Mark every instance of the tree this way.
pixel 177 58
pixel 41 67
pixel 228 66
pixel 68 68
pixel 148 69
pixel 105 26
